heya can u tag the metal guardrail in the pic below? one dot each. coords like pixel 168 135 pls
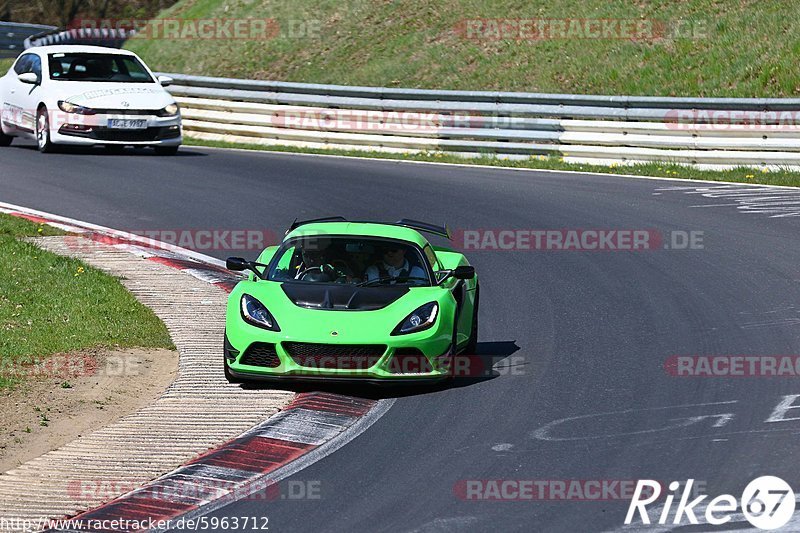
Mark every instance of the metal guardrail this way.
pixel 316 116
pixel 13 35
pixel 499 97
pixel 707 132
pixel 16 37
pixel 110 37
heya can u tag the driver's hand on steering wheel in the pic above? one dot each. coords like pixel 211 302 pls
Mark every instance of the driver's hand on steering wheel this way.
pixel 333 272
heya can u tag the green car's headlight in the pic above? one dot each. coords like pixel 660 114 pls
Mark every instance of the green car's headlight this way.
pixel 255 313
pixel 421 319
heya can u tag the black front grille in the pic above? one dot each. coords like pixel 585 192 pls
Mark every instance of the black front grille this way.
pixel 335 356
pixel 127 112
pixel 261 354
pixel 108 134
pixel 104 134
pixel 409 361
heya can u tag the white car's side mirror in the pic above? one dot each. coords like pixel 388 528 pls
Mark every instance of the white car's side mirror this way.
pixel 28 77
pixel 165 81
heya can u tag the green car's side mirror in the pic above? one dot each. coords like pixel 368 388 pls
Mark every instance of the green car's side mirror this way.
pixel 239 264
pixel 464 272
pixel 460 272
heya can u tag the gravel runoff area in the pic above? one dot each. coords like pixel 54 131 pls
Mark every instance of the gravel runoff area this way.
pixel 198 411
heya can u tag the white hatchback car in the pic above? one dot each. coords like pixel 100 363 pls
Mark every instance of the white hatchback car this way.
pixel 87 95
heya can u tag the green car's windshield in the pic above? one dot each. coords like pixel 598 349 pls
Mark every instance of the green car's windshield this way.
pixel 363 261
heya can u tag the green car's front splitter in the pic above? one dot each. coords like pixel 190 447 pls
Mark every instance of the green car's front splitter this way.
pixel 425 361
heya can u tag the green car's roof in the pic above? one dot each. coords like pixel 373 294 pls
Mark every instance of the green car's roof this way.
pixel 363 229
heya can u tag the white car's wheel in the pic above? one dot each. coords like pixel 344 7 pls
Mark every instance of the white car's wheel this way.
pixel 5 140
pixel 114 149
pixel 43 131
pixel 166 150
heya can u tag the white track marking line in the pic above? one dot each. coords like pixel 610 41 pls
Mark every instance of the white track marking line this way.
pixel 149 243
pixel 756 200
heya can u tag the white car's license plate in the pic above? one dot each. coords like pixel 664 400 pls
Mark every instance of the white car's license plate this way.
pixel 127 124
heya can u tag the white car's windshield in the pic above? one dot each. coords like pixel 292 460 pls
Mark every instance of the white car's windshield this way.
pixel 98 67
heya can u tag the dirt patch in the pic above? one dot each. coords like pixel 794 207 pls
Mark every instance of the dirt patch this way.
pixel 71 395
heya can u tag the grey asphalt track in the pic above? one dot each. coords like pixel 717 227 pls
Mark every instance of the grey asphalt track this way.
pixel 593 330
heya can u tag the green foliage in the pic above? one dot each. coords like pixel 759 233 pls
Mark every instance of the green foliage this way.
pixel 701 47
pixel 52 304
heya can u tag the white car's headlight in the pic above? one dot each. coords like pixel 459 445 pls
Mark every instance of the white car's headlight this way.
pixel 255 313
pixel 423 318
pixel 170 111
pixel 68 107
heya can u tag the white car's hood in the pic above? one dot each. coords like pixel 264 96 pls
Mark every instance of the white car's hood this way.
pixel 100 95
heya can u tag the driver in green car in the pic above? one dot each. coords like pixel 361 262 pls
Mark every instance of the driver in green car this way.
pixel 393 264
pixel 314 263
pixel 316 266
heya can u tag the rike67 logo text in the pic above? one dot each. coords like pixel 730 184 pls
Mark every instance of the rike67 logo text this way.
pixel 767 503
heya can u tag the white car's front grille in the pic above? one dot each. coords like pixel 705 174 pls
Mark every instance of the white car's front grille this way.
pixel 126 111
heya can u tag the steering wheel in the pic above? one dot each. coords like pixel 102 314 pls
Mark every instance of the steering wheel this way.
pixel 306 271
pixel 328 270
pixel 342 268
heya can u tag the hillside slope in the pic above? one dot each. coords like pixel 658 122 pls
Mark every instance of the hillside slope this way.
pixel 723 48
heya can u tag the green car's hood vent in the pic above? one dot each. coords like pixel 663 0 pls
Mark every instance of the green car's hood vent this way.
pixel 342 297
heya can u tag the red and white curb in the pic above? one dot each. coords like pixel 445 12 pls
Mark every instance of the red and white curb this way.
pixel 201 266
pixel 311 427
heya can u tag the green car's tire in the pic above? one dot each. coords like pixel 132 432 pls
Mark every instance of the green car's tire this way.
pixel 472 344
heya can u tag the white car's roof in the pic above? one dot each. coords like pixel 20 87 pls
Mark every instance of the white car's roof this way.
pixel 78 48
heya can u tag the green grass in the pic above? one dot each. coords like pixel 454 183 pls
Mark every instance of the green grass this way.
pixel 5 64
pixel 747 48
pixel 52 304
pixel 741 174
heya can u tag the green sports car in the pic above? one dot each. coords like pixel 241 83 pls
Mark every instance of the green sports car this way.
pixel 351 300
